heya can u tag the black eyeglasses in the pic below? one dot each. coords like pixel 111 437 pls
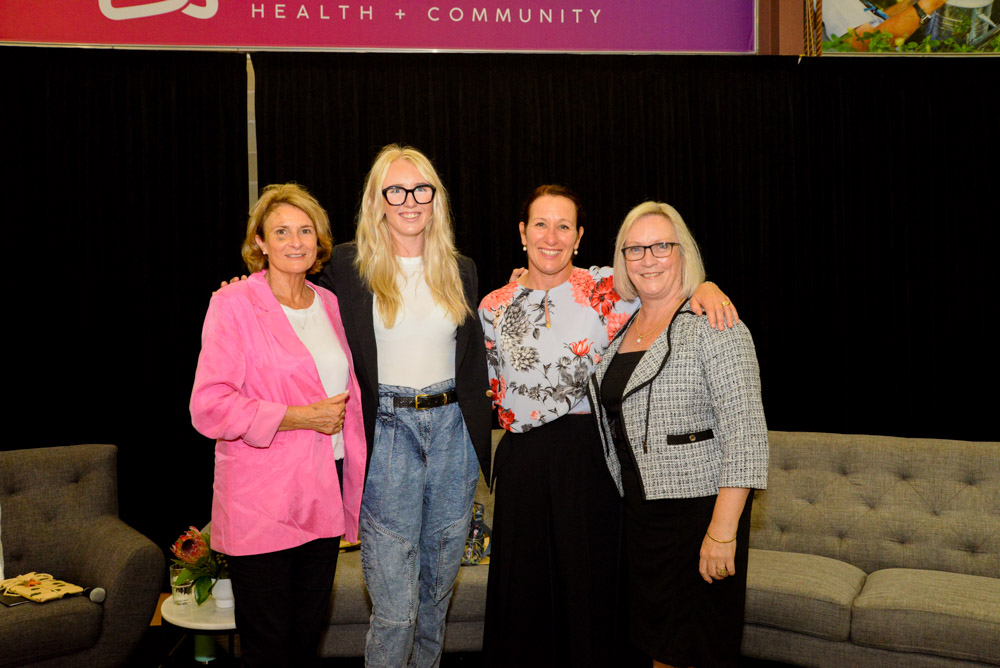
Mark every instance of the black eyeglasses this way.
pixel 661 249
pixel 396 195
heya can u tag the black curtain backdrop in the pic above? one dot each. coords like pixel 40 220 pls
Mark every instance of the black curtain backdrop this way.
pixel 846 204
pixel 127 173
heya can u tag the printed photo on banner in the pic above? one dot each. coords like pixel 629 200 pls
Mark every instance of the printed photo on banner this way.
pixel 909 27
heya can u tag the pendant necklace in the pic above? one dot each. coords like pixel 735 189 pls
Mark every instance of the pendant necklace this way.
pixel 649 331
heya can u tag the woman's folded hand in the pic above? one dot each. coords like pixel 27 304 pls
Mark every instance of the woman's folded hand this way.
pixel 325 416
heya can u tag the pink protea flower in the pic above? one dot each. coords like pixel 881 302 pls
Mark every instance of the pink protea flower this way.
pixel 190 547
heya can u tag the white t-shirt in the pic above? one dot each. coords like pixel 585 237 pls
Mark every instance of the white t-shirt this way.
pixel 312 325
pixel 419 349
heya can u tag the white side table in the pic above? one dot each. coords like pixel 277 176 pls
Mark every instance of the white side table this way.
pixel 198 618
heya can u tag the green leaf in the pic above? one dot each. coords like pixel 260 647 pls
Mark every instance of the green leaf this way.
pixel 203 589
pixel 184 576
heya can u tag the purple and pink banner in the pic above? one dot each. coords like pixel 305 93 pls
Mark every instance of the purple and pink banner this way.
pixel 672 26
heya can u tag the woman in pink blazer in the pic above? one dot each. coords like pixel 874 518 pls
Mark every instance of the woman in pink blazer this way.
pixel 276 388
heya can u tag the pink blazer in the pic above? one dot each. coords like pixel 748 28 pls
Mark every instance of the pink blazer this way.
pixel 273 490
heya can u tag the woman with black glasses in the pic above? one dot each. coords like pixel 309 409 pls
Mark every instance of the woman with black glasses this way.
pixel 683 432
pixel 408 300
pixel 552 594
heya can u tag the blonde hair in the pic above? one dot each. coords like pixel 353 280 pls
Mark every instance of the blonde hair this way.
pixel 693 269
pixel 376 259
pixel 272 197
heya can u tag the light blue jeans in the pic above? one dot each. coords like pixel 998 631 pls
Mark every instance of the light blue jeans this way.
pixel 415 516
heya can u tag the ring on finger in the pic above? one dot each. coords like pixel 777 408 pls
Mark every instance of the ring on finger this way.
pixel 722 572
pixel 726 303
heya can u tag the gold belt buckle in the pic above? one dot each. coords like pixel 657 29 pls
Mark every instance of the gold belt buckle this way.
pixel 416 401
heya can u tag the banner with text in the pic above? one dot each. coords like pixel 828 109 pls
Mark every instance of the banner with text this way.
pixel 674 26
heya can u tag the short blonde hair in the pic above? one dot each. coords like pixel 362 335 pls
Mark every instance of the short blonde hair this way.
pixel 693 269
pixel 272 197
pixel 376 259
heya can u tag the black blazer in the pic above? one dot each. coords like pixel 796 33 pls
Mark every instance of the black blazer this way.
pixel 471 378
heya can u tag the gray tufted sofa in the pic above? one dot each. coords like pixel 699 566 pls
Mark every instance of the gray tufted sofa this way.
pixel 876 551
pixel 60 516
pixel 865 551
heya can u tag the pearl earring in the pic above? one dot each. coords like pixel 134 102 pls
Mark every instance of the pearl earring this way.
pixel 524 248
pixel 576 252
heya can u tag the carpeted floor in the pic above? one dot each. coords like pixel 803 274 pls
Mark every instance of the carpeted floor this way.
pixel 167 646
pixel 170 647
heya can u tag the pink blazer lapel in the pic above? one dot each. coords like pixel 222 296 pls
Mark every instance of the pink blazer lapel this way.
pixel 269 313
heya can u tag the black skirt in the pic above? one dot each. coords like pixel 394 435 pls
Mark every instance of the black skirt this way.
pixel 674 615
pixel 553 596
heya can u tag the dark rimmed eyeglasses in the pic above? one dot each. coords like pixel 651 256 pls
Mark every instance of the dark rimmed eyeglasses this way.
pixel 396 195
pixel 662 249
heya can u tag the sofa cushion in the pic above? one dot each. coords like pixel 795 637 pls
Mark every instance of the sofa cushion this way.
pixel 931 612
pixel 882 502
pixel 352 605
pixel 37 631
pixel 468 602
pixel 802 593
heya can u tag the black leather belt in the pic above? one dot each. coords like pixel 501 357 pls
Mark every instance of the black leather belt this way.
pixel 423 401
pixel 680 439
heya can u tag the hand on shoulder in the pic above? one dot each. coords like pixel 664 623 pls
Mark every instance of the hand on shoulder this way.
pixel 710 300
pixel 231 281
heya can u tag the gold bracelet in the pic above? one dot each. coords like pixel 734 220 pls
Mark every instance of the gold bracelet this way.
pixel 720 541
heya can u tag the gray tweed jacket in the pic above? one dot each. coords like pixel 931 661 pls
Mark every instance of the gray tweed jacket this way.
pixel 692 411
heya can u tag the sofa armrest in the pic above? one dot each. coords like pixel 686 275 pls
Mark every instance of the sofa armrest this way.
pixel 110 554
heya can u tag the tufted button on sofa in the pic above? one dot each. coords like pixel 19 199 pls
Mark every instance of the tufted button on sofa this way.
pixel 876 551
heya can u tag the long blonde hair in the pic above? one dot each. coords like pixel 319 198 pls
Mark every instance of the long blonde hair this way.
pixel 376 259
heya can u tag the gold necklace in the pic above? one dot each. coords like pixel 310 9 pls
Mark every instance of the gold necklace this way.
pixel 650 331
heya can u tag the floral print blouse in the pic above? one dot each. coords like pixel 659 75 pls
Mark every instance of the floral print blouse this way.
pixel 542 345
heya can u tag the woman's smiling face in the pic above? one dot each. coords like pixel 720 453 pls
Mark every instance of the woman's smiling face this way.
pixel 409 220
pixel 551 235
pixel 655 277
pixel 289 240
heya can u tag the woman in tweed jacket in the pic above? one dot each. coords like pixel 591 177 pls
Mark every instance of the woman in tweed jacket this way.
pixel 680 417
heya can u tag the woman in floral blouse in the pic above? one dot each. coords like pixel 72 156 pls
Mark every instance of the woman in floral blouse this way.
pixel 552 590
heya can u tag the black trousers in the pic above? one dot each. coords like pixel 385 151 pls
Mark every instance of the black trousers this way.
pixel 553 596
pixel 283 601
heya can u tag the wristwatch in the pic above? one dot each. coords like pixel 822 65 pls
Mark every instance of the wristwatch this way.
pixel 921 14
